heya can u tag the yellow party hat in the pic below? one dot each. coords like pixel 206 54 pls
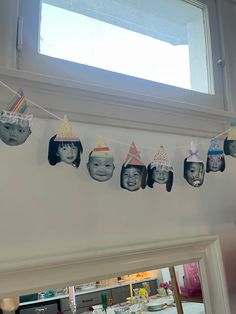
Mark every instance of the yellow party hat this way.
pixel 232 134
pixel 66 133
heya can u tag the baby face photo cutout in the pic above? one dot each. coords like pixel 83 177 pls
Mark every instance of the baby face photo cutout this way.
pixel 65 146
pixel 16 122
pixel 215 157
pixel 101 163
pixel 230 142
pixel 133 172
pixel 160 170
pixel 194 170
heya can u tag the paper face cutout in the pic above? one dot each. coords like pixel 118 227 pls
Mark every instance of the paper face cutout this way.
pixel 194 173
pixel 133 172
pixel 133 177
pixel 101 163
pixel 160 170
pixel 230 142
pixel 215 157
pixel 14 134
pixel 230 147
pixel 15 122
pixel 194 170
pixel 101 168
pixel 65 146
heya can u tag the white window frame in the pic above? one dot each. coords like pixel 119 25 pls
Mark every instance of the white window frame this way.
pixel 102 97
pixel 30 60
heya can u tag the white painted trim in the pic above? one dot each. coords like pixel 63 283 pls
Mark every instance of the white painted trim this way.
pixel 90 104
pixel 19 277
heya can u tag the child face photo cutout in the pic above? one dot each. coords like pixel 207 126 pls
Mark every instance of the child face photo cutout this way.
pixel 160 175
pixel 215 163
pixel 215 157
pixel 131 178
pixel 194 170
pixel 14 134
pixel 65 146
pixel 101 163
pixel 160 170
pixel 230 147
pixel 194 173
pixel 230 142
pixel 15 121
pixel 67 152
pixel 101 168
pixel 133 173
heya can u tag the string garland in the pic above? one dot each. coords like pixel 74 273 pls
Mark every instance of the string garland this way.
pixel 112 140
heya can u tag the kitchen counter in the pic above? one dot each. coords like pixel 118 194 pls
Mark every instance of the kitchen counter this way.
pixel 122 283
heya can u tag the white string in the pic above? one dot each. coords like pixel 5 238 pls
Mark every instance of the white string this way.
pixel 30 101
pixel 57 117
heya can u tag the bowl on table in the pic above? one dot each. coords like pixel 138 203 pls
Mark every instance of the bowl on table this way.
pixel 155 305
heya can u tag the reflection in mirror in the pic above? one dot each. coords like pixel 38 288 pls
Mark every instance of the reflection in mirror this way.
pixel 174 289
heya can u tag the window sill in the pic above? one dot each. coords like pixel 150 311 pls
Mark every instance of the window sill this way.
pixel 112 107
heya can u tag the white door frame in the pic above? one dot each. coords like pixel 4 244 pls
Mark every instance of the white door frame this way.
pixel 38 274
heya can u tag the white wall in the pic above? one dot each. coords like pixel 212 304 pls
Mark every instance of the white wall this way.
pixel 49 210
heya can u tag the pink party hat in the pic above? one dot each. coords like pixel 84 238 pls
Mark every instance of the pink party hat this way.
pixel 133 157
pixel 161 159
pixel 193 154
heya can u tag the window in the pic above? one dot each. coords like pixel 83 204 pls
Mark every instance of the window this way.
pixel 103 44
pixel 109 35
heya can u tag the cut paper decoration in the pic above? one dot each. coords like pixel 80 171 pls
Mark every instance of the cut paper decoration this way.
pixel 215 157
pixel 15 121
pixel 194 170
pixel 230 143
pixel 65 146
pixel 133 172
pixel 160 170
pixel 101 163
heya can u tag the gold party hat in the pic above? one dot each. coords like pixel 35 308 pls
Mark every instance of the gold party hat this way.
pixel 66 133
pixel 232 134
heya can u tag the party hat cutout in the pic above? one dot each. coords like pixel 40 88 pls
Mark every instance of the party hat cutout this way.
pixel 133 157
pixel 161 159
pixel 214 148
pixel 232 134
pixel 66 133
pixel 193 154
pixel 17 111
pixel 19 104
pixel 101 149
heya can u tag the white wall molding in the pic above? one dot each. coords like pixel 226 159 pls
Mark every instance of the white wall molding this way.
pixel 78 267
pixel 90 104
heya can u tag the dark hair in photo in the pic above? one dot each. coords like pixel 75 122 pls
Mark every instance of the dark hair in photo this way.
pixel 187 165
pixel 53 156
pixel 151 181
pixel 222 168
pixel 226 146
pixel 143 174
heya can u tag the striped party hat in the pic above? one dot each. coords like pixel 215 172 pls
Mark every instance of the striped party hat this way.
pixel 101 149
pixel 17 111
